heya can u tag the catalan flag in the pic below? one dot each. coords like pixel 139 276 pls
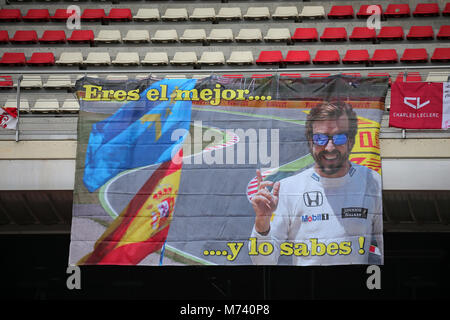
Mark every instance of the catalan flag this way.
pixel 142 227
pixel 138 134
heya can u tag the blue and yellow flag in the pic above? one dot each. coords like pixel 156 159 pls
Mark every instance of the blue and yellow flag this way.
pixel 138 134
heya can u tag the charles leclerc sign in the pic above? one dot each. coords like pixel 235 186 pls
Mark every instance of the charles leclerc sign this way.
pixel 420 105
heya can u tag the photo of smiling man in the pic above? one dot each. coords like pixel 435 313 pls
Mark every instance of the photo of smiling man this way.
pixel 329 214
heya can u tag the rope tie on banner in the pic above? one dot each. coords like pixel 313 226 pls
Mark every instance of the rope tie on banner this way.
pixel 19 80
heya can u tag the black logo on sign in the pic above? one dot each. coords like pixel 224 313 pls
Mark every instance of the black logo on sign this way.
pixel 354 213
pixel 313 198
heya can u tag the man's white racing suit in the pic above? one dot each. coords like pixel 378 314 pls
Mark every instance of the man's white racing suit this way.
pixel 326 221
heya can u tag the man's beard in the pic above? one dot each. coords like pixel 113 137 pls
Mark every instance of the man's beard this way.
pixel 330 168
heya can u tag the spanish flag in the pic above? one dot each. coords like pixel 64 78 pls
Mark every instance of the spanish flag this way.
pixel 139 133
pixel 142 227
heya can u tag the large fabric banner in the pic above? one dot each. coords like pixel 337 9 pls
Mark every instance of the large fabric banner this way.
pixel 229 171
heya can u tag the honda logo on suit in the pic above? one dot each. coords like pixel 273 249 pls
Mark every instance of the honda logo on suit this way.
pixel 313 198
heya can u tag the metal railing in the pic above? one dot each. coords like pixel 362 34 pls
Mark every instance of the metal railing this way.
pixel 233 70
pixel 274 71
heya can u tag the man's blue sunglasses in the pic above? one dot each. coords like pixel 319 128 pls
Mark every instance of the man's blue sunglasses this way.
pixel 321 139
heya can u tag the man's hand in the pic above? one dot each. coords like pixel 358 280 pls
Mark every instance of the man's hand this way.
pixel 264 203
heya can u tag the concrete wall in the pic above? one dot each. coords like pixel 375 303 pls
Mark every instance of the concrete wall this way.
pixel 407 164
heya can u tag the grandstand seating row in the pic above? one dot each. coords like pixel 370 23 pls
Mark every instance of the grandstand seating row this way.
pixel 227 13
pixel 274 57
pixel 44 105
pixel 386 33
pixel 32 101
pixel 54 93
pixel 65 82
pixel 68 104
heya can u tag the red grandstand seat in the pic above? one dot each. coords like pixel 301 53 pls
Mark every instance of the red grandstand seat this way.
pixel 298 57
pixel 41 59
pixel 415 55
pixel 391 33
pixel 363 34
pixel 334 34
pixel 397 10
pixel 420 33
pixel 319 75
pixel 384 56
pixel 13 58
pixel 61 15
pixel 53 36
pixel 37 15
pixel 366 11
pixel 10 15
pixel 408 77
pixel 356 56
pixel 269 57
pixel 6 82
pixel 24 37
pixel 426 10
pixel 291 75
pixel 305 34
pixel 444 33
pixel 4 36
pixel 441 55
pixel 400 77
pixel 446 11
pixel 413 77
pixel 81 36
pixel 327 57
pixel 120 14
pixel 93 15
pixel 341 12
